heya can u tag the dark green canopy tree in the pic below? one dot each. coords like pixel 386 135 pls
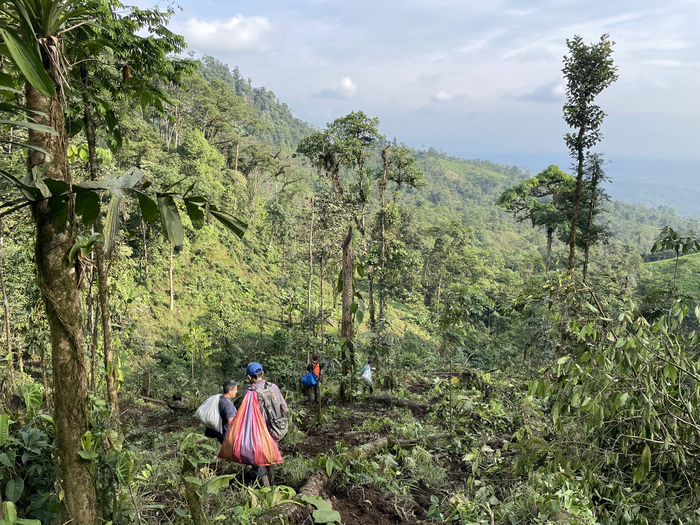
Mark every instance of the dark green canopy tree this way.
pixel 540 200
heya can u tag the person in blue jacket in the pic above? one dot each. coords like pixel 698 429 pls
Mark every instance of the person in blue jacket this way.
pixel 315 368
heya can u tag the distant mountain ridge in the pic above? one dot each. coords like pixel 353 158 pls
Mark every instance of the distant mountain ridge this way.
pixel 655 182
pixel 467 189
pixel 285 130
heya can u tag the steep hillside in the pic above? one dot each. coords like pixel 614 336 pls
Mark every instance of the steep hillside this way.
pixel 249 297
pixel 284 129
pixel 660 275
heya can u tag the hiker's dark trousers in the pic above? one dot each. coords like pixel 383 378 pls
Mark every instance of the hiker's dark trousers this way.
pixel 312 392
pixel 266 474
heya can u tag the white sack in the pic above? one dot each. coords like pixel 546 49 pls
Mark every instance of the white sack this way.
pixel 208 413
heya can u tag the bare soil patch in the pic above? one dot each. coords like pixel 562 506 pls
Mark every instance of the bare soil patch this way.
pixel 457 470
pixel 156 417
pixel 370 505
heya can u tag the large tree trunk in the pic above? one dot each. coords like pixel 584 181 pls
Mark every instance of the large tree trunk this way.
pixel 58 283
pixel 6 308
pixel 346 326
pixel 103 280
pixel 577 200
pixel 550 233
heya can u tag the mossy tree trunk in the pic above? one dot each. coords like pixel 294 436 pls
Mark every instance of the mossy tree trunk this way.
pixel 58 282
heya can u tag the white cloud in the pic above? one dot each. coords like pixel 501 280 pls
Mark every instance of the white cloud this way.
pixel 436 61
pixel 441 96
pixel 239 33
pixel 345 89
pixel 553 92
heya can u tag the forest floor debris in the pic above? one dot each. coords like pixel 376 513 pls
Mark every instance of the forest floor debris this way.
pixel 369 504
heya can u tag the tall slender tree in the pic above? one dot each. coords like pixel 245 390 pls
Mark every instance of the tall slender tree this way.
pixel 6 312
pixel 345 143
pixel 588 70
pixel 346 331
pixel 127 69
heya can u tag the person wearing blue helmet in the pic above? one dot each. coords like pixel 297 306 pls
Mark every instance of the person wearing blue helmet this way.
pixel 255 373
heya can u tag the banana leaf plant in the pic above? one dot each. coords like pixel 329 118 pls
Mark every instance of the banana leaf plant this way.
pixel 34 187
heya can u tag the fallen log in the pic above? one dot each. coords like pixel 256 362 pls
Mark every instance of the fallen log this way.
pixel 151 400
pixel 370 449
pixel 316 484
pixel 296 512
pixel 402 402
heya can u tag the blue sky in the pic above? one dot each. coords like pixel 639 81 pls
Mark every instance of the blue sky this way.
pixel 479 79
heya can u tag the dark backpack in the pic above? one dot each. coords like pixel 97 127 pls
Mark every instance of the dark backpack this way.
pixel 277 424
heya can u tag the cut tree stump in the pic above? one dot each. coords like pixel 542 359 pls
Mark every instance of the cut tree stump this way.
pixel 402 402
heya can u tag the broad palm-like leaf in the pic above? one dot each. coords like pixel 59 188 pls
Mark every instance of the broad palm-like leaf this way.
pixel 30 26
pixel 28 60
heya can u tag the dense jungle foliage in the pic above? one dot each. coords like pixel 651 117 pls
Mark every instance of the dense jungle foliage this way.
pixel 201 226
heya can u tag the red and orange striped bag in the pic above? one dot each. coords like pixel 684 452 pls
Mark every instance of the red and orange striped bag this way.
pixel 247 439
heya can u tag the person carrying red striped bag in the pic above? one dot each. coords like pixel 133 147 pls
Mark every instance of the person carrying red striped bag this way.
pixel 252 436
